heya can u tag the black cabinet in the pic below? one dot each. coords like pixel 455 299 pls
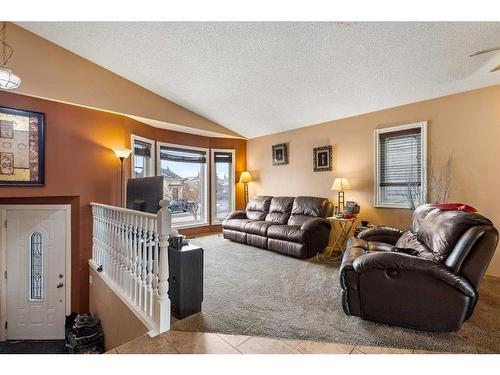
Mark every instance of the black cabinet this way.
pixel 185 280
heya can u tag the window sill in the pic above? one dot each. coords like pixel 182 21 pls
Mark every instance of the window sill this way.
pixel 392 205
pixel 193 225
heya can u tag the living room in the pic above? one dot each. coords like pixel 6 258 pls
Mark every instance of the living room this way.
pixel 303 187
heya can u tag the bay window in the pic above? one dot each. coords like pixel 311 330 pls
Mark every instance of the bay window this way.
pixel 186 175
pixel 143 157
pixel 223 184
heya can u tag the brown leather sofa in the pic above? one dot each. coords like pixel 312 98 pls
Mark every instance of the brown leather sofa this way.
pixel 435 287
pixel 292 226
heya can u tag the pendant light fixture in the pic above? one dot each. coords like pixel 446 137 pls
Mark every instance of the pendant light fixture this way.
pixel 8 80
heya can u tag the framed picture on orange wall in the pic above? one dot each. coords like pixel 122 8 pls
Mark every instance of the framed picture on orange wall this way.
pixel 22 147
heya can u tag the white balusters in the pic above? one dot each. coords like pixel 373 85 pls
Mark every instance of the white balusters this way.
pixel 149 277
pixel 133 260
pixel 162 301
pixel 131 250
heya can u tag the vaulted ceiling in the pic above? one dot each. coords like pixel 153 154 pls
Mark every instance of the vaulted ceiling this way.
pixel 260 78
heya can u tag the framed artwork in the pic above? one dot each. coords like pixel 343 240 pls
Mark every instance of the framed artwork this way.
pixel 22 140
pixel 322 158
pixel 280 154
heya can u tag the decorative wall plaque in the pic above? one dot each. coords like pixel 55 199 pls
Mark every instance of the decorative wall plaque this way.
pixel 22 139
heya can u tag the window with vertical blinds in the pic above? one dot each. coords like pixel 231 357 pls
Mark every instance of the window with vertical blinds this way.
pixel 400 166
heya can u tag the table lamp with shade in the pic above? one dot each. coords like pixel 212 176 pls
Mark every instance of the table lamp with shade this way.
pixel 245 178
pixel 341 184
pixel 122 154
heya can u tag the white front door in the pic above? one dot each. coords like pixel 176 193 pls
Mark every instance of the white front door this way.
pixel 36 280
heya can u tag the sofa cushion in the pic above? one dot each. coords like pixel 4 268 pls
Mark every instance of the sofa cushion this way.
pixel 419 215
pixel 234 235
pixel 291 233
pixel 235 224
pixel 256 240
pixel 306 207
pixel 368 245
pixel 258 227
pixel 310 206
pixel 258 207
pixel 280 209
pixel 409 241
pixel 259 203
pixel 440 230
pixel 298 219
pixel 298 250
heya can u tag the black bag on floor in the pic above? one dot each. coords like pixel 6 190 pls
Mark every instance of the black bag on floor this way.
pixel 83 334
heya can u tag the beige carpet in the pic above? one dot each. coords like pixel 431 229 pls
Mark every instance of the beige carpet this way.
pixel 249 291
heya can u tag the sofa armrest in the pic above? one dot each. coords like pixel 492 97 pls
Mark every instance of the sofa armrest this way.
pixel 381 234
pixel 397 261
pixel 313 224
pixel 237 215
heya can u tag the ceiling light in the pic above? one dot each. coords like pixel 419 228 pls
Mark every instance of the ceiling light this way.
pixel 8 80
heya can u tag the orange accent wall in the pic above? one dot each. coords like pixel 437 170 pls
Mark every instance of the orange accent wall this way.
pixel 80 168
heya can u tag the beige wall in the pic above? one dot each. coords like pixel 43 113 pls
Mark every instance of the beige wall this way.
pixel 52 72
pixel 466 125
pixel 118 322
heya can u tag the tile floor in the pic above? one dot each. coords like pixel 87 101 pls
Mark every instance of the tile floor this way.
pixel 177 342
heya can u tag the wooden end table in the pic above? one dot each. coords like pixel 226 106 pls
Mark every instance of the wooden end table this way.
pixel 341 228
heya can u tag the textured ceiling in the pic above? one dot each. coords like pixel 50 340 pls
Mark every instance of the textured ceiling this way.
pixel 261 78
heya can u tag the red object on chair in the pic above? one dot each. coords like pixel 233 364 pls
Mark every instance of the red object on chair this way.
pixel 455 206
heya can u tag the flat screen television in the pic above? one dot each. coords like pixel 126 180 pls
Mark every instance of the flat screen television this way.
pixel 145 193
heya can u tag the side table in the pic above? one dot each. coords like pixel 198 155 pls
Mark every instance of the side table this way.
pixel 341 228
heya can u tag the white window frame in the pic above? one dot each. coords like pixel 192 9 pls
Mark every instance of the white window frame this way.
pixel 205 178
pixel 378 202
pixel 213 182
pixel 152 164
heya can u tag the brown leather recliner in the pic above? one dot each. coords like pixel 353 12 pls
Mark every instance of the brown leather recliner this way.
pixel 425 278
pixel 292 226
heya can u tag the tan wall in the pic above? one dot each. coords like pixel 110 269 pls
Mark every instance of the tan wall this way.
pixel 466 125
pixel 118 322
pixel 52 72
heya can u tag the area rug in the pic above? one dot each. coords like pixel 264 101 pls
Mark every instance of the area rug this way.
pixel 255 292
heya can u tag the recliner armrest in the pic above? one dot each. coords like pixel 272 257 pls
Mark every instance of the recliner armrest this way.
pixel 398 261
pixel 313 224
pixel 381 234
pixel 237 215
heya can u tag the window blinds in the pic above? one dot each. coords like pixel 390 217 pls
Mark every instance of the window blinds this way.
pixel 223 157
pixel 182 155
pixel 142 148
pixel 401 158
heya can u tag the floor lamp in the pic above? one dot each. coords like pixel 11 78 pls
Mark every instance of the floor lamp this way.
pixel 122 154
pixel 245 178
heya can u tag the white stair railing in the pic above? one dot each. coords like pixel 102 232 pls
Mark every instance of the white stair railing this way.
pixel 130 250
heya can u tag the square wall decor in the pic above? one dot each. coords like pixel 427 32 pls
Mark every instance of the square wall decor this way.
pixel 322 158
pixel 280 154
pixel 22 139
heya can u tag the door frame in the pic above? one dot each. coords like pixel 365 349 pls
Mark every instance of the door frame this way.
pixel 213 200
pixel 3 255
